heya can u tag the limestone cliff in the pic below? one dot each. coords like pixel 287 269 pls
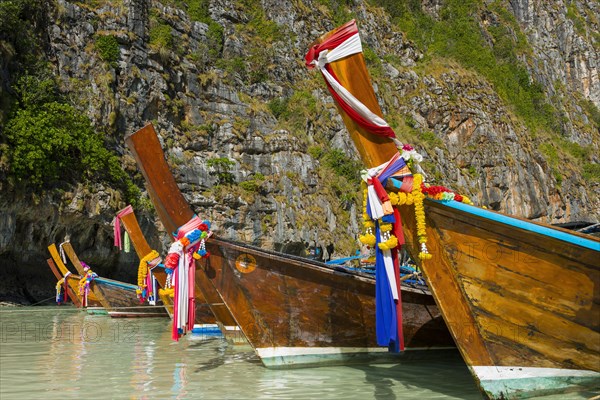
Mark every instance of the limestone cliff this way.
pixel 251 134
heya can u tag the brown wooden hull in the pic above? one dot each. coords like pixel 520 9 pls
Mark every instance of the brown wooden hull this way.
pixel 122 301
pixel 292 310
pixel 513 298
pixel 283 302
pixel 119 299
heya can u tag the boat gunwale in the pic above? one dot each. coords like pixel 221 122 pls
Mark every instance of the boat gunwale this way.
pixel 300 262
pixel 461 210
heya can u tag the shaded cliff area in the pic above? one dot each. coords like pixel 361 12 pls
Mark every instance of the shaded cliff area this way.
pixel 501 97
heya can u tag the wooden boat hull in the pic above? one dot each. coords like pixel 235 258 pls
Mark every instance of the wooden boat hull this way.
pixel 293 311
pixel 123 301
pixel 521 299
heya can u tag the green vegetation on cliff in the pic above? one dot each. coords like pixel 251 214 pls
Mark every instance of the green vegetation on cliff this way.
pixel 493 52
pixel 46 141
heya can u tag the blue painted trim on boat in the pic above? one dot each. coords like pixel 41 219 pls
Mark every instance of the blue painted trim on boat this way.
pixel 517 223
pixel 123 285
pixel 342 260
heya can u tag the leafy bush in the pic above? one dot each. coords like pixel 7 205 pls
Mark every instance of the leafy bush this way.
pixel 51 142
pixel 108 47
pixel 343 165
pixel 278 106
pixel 591 172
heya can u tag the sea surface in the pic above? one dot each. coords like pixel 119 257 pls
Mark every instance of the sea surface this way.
pixel 65 353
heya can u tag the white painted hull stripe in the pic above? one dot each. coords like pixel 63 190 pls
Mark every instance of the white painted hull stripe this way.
pixel 267 352
pixel 491 373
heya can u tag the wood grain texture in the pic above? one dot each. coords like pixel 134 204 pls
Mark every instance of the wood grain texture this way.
pixel 526 291
pixel 292 302
pixel 510 297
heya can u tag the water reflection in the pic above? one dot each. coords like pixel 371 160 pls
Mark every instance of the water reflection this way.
pixel 55 353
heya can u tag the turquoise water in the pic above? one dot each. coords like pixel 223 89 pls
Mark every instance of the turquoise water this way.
pixel 64 353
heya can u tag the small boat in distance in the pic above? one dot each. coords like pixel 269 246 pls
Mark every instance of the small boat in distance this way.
pixel 119 299
pixel 521 298
pixel 91 304
pixel 64 290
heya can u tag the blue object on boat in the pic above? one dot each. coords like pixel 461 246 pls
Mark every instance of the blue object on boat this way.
pixel 207 330
pixel 342 260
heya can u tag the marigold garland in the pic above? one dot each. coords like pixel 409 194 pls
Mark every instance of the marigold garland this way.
pixel 59 291
pixel 388 241
pixel 84 283
pixel 143 271
pixel 418 196
pixel 166 292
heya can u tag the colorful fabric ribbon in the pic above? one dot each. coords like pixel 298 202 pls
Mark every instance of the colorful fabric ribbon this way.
pixel 343 43
pixel 190 237
pixel 117 225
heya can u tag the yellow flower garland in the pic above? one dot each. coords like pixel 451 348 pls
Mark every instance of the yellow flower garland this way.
pixel 390 241
pixel 143 270
pixel 83 280
pixel 166 292
pixel 418 197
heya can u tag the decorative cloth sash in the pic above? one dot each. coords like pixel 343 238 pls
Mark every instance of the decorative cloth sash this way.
pixel 117 225
pixel 189 237
pixel 387 283
pixel 343 43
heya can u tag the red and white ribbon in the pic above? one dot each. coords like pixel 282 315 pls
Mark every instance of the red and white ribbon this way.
pixel 343 43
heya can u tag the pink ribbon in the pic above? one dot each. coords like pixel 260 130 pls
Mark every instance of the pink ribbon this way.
pixel 117 225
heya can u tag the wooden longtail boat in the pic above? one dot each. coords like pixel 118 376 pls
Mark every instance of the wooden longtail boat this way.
pixel 93 304
pixel 292 310
pixel 142 248
pixel 119 299
pixel 521 299
pixel 68 290
pixel 173 212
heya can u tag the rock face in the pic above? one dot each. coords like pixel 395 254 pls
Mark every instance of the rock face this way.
pixel 208 91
